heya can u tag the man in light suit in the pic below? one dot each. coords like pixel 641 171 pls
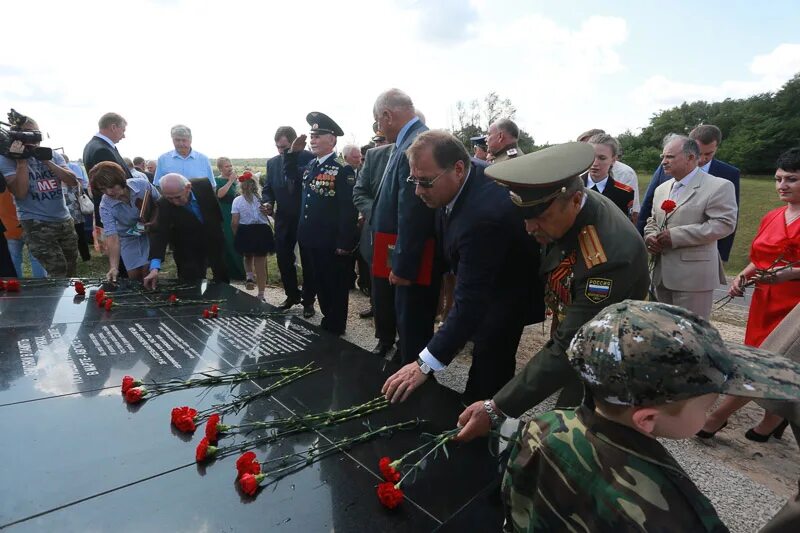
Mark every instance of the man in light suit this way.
pixel 397 211
pixel 708 138
pixel 685 239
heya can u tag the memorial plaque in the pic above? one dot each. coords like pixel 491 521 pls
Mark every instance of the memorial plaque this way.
pixel 78 458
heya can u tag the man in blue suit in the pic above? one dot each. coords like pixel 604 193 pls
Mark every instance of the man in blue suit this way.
pixel 483 240
pixel 327 228
pixel 277 189
pixel 398 213
pixel 708 137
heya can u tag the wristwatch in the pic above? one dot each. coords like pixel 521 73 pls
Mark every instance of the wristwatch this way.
pixel 494 415
pixel 424 367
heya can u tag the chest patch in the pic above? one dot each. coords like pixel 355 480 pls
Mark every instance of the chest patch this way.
pixel 598 289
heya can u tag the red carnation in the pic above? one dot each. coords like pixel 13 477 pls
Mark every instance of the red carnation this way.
pixel 12 285
pixel 172 298
pixel 668 206
pixel 129 382
pixel 79 288
pixel 249 483
pixel 388 471
pixel 214 308
pixel 100 295
pixel 206 313
pixel 211 427
pixel 248 464
pixel 204 451
pixel 389 495
pixel 246 176
pixel 183 418
pixel 135 395
pixel 109 304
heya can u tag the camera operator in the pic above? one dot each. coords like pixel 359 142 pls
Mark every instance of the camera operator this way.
pixel 43 214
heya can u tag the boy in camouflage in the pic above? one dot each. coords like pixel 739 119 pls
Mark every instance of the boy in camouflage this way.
pixel 653 370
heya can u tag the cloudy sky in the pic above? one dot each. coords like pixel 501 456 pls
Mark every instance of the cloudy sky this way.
pixel 234 70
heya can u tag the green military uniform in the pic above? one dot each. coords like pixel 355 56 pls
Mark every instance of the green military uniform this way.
pixel 601 260
pixel 508 152
pixel 576 470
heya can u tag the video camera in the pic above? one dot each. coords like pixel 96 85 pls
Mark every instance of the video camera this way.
pixel 18 144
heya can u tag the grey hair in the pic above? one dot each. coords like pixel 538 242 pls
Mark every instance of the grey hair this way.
pixel 689 146
pixel 607 140
pixel 349 148
pixel 392 99
pixel 507 126
pixel 173 178
pixel 180 131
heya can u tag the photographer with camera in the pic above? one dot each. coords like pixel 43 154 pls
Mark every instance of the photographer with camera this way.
pixel 35 175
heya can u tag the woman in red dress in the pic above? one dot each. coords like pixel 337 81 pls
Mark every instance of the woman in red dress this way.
pixel 775 246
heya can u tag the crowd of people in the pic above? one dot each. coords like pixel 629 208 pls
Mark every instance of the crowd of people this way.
pixel 504 239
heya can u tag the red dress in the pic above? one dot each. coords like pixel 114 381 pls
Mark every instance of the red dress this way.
pixel 772 302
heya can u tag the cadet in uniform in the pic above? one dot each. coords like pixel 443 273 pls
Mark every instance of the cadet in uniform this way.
pixel 653 370
pixel 502 141
pixel 593 257
pixel 327 228
pixel 599 178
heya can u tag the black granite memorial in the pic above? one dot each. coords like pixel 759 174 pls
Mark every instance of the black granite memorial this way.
pixel 78 458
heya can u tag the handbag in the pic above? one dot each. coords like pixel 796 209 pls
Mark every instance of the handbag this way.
pixel 86 204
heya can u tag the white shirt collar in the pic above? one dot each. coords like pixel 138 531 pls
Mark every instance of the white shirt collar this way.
pixel 449 207
pixel 687 179
pixel 707 166
pixel 106 139
pixel 601 185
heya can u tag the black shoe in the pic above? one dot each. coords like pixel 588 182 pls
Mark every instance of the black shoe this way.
pixel 708 434
pixel 366 313
pixel 308 311
pixel 382 350
pixel 755 436
pixel 288 303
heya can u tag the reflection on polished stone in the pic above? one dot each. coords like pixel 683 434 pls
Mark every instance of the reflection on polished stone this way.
pixel 81 459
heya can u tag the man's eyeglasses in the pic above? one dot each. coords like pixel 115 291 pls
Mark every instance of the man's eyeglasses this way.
pixel 425 183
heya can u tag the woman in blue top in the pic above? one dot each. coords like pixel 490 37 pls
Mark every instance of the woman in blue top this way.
pixel 123 216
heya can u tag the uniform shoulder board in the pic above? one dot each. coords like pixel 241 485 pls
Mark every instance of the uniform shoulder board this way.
pixel 512 152
pixel 591 248
pixel 622 186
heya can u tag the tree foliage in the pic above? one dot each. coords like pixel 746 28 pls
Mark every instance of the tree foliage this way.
pixel 755 130
pixel 473 118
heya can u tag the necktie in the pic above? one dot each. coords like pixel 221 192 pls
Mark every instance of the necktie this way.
pixel 594 188
pixel 676 190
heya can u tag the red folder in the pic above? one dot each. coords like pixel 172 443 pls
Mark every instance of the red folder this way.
pixel 383 248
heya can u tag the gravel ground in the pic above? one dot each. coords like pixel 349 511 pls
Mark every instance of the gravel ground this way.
pixel 747 482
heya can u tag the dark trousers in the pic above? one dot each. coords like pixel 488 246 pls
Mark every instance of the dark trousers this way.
pixel 193 267
pixel 331 279
pixel 415 307
pixel 83 244
pixel 285 240
pixel 364 272
pixel 7 269
pixel 383 309
pixel 494 356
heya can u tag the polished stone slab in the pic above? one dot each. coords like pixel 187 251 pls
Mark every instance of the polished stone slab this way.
pixel 99 464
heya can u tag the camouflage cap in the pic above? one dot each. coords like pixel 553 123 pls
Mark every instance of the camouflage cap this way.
pixel 650 353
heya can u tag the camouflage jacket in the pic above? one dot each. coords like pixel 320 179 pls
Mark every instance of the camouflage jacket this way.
pixel 574 470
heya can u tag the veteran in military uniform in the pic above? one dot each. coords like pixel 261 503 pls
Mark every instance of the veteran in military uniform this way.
pixel 327 228
pixel 593 257
pixel 502 139
pixel 568 468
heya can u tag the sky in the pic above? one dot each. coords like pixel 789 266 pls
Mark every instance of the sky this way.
pixel 234 71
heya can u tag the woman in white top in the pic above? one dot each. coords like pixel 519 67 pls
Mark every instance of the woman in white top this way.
pixel 252 232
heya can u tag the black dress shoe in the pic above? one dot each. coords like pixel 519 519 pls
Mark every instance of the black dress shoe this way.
pixel 708 434
pixel 308 311
pixel 382 350
pixel 755 436
pixel 366 313
pixel 288 303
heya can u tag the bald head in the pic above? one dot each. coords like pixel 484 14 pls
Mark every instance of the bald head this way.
pixel 175 188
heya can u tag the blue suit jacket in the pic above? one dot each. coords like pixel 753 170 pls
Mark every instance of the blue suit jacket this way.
pixel 327 215
pixel 496 265
pixel 276 188
pixel 719 169
pixel 397 210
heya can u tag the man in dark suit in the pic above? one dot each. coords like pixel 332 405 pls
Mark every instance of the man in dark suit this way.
pixel 367 183
pixel 190 221
pixel 484 243
pixel 708 137
pixel 327 227
pixel 277 189
pixel 412 284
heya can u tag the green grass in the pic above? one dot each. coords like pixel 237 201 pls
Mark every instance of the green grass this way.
pixel 757 197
